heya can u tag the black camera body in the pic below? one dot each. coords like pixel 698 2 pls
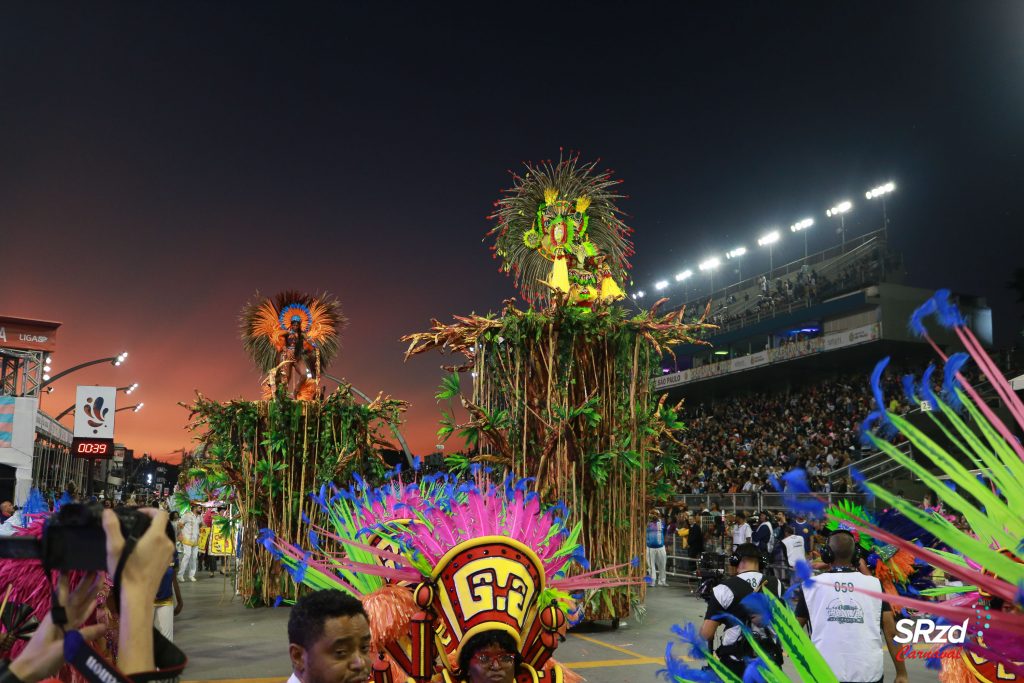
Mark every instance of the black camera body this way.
pixel 73 538
pixel 711 573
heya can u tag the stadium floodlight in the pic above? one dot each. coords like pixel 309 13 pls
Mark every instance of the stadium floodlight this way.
pixel 708 265
pixel 769 240
pixel 839 209
pixel 801 226
pixel 661 284
pixel 640 294
pixel 880 191
pixel 736 253
pixel 683 275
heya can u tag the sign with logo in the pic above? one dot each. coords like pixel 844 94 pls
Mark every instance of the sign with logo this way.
pixel 94 412
pixel 28 335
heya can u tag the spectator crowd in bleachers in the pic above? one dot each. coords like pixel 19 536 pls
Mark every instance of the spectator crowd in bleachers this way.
pixel 736 445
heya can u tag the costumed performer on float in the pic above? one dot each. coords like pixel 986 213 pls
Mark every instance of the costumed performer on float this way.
pixel 292 338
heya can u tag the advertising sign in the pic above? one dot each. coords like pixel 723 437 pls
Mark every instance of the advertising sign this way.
pixel 30 335
pixel 94 412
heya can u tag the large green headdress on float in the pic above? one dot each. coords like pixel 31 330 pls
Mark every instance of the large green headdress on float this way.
pixel 558 229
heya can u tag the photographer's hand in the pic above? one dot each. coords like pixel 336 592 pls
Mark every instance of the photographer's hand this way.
pixel 44 654
pixel 140 579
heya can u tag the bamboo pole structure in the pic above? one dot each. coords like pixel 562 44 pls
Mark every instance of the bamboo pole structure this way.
pixel 564 396
pixel 275 454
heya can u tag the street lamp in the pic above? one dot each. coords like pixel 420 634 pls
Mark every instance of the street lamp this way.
pixel 709 265
pixel 839 210
pixel 769 240
pixel 116 361
pixel 135 408
pixel 801 226
pixel 879 193
pixel 737 254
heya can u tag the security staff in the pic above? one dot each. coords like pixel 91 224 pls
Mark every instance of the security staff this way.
pixel 727 598
pixel 849 628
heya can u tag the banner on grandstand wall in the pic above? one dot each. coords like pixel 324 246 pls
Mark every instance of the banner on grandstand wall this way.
pixel 801 349
pixel 668 381
pixel 854 336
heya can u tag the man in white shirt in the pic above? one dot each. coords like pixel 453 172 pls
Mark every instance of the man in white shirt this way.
pixel 793 550
pixel 329 639
pixel 741 532
pixel 188 535
pixel 848 628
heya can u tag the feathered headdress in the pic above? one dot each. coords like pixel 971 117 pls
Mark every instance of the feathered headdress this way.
pixel 560 221
pixel 412 552
pixel 265 324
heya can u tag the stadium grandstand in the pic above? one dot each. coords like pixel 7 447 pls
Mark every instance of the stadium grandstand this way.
pixel 784 381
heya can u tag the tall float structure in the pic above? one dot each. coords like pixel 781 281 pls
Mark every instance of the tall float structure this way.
pixel 560 390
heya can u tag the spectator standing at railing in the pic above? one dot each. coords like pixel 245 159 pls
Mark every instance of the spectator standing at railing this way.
pixel 762 537
pixel 741 532
pixel 695 540
pixel 793 551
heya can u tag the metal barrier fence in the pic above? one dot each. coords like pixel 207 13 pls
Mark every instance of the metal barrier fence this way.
pixel 679 564
pixel 764 500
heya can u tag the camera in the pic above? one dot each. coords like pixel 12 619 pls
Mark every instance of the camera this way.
pixel 73 538
pixel 711 573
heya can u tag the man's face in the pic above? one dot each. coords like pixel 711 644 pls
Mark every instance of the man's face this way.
pixel 492 664
pixel 340 655
pixel 7 508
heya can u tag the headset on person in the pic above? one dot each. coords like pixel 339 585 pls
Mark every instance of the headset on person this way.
pixel 828 555
pixel 762 559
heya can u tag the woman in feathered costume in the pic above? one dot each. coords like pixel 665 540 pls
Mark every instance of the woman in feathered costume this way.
pixel 412 552
pixel 292 337
pixel 978 472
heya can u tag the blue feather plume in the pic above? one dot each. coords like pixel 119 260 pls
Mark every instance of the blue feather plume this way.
pixel 678 670
pixel 757 604
pixel 908 389
pixel 752 674
pixel 949 381
pixel 861 482
pixel 918 316
pixel 948 314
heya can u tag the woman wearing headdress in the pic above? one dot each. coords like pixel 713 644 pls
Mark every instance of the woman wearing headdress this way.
pixel 489 657
pixel 292 338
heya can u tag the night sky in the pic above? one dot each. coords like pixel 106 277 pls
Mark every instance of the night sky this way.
pixel 160 162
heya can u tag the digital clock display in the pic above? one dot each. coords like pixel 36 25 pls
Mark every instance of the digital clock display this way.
pixel 92 448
